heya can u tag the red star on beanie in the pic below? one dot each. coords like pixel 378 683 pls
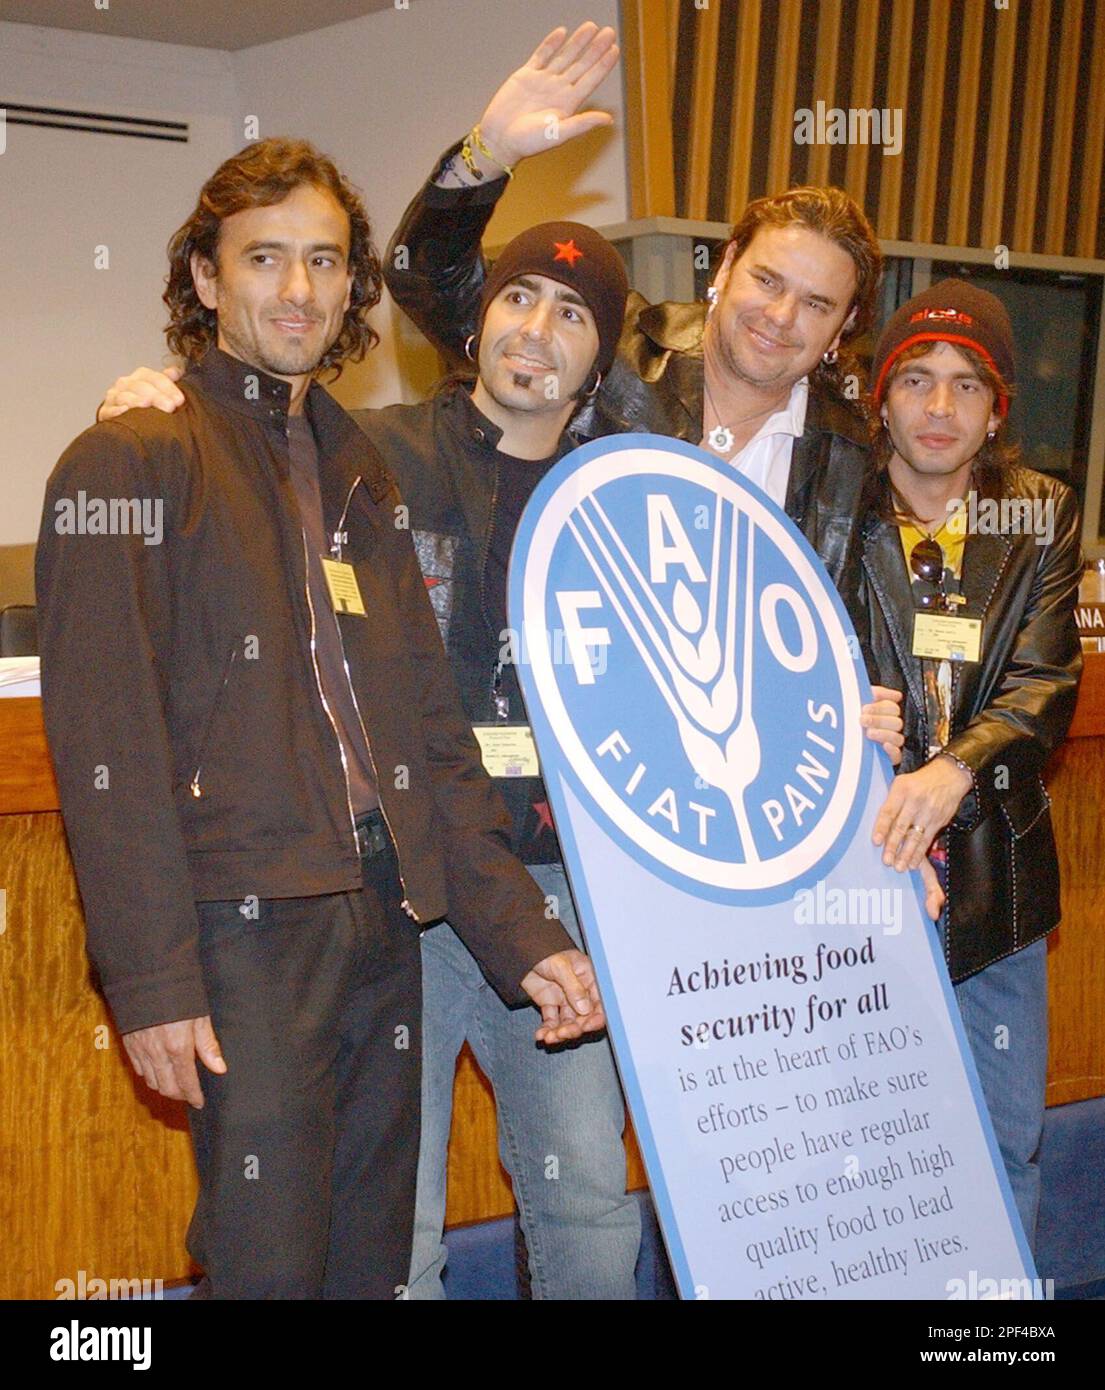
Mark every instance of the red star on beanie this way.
pixel 567 251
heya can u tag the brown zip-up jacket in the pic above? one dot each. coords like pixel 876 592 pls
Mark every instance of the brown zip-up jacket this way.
pixel 194 755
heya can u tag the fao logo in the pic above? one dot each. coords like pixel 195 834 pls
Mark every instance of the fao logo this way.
pixel 690 659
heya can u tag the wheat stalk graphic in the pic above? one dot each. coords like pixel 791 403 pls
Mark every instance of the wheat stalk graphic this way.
pixel 688 657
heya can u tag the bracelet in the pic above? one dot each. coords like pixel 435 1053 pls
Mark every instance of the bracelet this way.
pixel 469 159
pixel 481 144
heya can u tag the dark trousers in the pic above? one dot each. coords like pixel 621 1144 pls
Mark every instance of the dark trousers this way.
pixel 307 1148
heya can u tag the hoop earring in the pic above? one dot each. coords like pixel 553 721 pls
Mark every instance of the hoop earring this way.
pixel 990 434
pixel 468 347
pixel 594 389
pixel 829 358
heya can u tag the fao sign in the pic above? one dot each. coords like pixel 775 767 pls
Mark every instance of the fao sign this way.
pixel 687 618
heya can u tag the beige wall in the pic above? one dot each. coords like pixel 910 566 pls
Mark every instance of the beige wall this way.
pixel 70 328
pixel 383 94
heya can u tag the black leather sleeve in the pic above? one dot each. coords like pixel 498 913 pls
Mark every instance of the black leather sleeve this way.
pixel 434 268
pixel 1032 709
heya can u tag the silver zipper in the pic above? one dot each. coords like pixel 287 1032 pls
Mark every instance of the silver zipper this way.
pixel 338 541
pixel 194 785
pixel 487 549
pixel 321 693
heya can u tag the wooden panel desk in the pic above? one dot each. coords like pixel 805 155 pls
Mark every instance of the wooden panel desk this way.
pixel 97 1170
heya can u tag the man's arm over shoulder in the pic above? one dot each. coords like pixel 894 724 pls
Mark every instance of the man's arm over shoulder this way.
pixel 105 614
pixel 1033 706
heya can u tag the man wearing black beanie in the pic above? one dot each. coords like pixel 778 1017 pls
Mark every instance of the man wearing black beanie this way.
pixel 972 565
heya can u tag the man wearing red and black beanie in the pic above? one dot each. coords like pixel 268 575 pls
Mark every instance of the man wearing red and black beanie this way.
pixel 972 564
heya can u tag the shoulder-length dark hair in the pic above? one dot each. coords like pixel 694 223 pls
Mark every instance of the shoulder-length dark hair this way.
pixel 989 463
pixel 258 176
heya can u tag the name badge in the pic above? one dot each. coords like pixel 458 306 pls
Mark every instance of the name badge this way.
pixel 345 593
pixel 508 750
pixel 946 638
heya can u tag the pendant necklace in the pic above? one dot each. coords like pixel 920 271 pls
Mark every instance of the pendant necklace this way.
pixel 721 437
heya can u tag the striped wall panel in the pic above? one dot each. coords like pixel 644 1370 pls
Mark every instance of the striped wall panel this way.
pixel 1001 102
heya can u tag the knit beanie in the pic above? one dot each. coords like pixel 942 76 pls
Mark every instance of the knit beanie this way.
pixel 576 256
pixel 955 312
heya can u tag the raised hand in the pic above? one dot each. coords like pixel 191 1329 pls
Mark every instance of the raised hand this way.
pixel 546 93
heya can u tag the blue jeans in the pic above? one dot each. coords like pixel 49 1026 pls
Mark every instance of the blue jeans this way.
pixel 1004 1011
pixel 560 1116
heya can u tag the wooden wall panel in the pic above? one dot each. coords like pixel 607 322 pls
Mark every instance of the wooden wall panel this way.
pixel 98 1171
pixel 1062 125
pixel 931 107
pixel 962 154
pixel 788 18
pixel 646 39
pixel 897 99
pixel 702 112
pixel 743 127
pixel 1093 154
pixel 1001 108
pixel 1076 955
pixel 1004 121
pixel 26 772
pixel 863 85
pixel 824 81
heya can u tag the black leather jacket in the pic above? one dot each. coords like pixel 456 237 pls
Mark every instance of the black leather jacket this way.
pixel 435 271
pixel 149 673
pixel 1009 712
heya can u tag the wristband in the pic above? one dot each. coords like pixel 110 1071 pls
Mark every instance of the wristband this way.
pixel 481 144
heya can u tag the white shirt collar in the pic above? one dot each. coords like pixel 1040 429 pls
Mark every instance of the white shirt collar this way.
pixel 791 419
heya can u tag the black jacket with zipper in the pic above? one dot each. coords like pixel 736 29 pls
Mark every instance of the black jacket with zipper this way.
pixel 435 271
pixel 194 756
pixel 1009 712
pixel 444 455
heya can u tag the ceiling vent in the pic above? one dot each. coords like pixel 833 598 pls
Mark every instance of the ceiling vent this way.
pixel 95 122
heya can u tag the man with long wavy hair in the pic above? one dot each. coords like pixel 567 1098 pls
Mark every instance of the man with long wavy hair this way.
pixel 266 775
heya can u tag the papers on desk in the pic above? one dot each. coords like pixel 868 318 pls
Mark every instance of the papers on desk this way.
pixel 19 676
